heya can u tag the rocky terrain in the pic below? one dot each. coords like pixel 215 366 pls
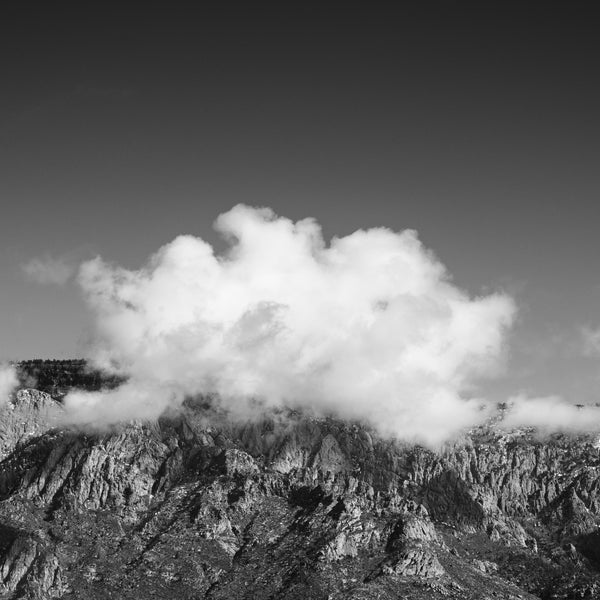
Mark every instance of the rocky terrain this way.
pixel 194 506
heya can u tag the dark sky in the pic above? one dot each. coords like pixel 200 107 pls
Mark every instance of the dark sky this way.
pixel 475 123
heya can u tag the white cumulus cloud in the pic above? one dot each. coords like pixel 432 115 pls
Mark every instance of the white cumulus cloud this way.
pixel 367 327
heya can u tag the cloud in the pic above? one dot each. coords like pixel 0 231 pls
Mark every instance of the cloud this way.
pixel 550 414
pixel 8 381
pixel 48 270
pixel 369 327
pixel 591 340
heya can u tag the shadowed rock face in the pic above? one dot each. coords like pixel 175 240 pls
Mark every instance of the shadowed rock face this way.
pixel 289 508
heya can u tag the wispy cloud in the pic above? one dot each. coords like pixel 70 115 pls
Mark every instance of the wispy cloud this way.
pixel 48 270
pixel 591 340
pixel 551 413
pixel 8 381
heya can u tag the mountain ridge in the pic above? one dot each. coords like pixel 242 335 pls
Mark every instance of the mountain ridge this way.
pixel 197 506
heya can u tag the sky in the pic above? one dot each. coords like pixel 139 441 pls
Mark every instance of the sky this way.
pixel 476 125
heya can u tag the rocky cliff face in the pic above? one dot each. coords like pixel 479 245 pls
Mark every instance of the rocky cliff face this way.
pixel 196 507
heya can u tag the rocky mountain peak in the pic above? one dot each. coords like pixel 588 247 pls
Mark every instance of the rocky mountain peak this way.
pixel 197 506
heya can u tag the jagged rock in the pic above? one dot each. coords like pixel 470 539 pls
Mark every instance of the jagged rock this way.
pixel 236 462
pixel 417 562
pixel 17 561
pixel 195 506
pixel 485 566
pixel 26 414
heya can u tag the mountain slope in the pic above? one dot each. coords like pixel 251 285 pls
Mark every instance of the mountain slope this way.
pixel 194 506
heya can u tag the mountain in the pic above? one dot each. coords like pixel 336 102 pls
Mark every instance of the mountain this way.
pixel 195 506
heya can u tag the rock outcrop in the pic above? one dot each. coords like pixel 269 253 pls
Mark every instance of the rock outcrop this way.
pixel 197 507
